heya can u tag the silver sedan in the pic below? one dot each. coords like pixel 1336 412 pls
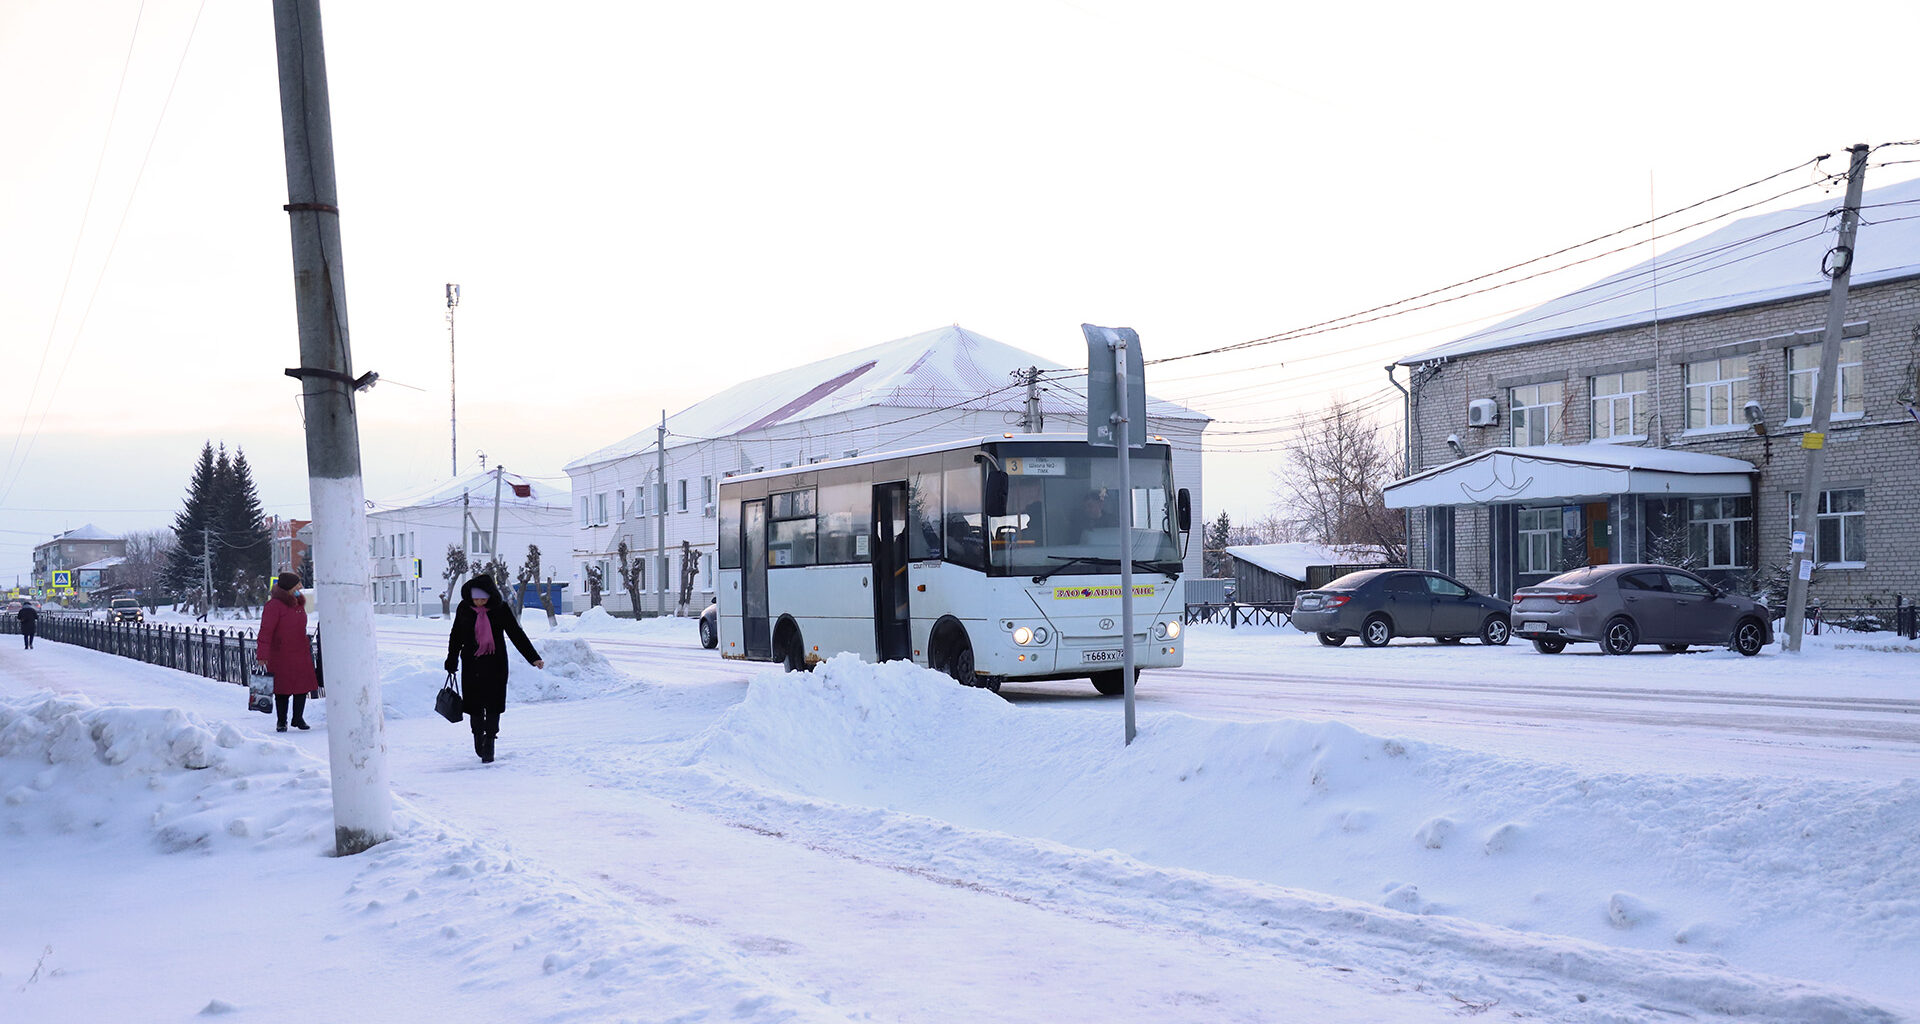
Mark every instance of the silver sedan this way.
pixel 1622 606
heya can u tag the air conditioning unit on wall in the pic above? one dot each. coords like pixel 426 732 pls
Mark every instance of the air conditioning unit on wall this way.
pixel 1483 412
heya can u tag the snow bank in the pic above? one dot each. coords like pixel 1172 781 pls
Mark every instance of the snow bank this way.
pixel 1801 878
pixel 78 780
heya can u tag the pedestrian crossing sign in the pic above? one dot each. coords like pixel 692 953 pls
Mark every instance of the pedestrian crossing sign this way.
pixel 63 578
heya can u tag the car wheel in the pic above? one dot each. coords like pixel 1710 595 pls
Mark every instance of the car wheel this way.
pixel 1376 631
pixel 1331 639
pixel 1620 636
pixel 709 636
pixel 1496 631
pixel 1748 637
pixel 1549 646
pixel 1674 648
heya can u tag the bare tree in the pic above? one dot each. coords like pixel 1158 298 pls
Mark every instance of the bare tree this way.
pixel 456 568
pixel 1336 471
pixel 633 576
pixel 148 552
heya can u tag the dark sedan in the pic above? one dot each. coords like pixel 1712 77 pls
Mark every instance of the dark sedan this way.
pixel 1623 606
pixel 1377 605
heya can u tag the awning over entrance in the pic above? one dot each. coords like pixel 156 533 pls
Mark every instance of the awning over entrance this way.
pixel 1570 474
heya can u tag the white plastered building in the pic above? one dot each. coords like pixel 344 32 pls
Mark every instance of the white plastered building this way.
pixel 419 527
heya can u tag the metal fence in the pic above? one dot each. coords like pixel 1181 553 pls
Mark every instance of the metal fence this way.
pixel 220 654
pixel 1233 613
pixel 1903 618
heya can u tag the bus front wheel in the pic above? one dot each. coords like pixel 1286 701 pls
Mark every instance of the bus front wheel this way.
pixel 953 653
pixel 790 648
pixel 1113 684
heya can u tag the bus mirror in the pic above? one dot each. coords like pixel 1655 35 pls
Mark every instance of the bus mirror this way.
pixel 994 501
pixel 1185 504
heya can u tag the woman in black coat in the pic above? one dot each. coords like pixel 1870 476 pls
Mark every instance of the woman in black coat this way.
pixel 477 645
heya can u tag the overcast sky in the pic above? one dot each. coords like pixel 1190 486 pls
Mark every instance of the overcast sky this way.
pixel 645 203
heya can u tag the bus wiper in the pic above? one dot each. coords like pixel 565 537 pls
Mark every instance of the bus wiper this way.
pixel 1167 568
pixel 1072 560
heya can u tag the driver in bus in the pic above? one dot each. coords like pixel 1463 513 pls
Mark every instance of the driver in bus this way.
pixel 1093 515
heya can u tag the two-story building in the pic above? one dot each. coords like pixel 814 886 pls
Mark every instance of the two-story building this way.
pixel 1658 415
pixel 480 514
pixel 70 551
pixel 941 385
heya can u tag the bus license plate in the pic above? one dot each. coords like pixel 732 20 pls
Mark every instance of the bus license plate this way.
pixel 1096 657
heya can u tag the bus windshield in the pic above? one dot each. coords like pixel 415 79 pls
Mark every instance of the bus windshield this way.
pixel 1064 511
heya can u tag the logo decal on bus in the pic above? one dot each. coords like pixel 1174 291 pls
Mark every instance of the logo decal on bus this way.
pixel 1083 593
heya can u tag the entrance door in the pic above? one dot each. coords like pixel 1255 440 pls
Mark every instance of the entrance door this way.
pixel 892 622
pixel 756 635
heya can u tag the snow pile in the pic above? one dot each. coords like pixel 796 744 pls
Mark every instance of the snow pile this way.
pixel 79 779
pixel 1800 878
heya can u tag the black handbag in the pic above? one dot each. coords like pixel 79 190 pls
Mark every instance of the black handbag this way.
pixel 449 703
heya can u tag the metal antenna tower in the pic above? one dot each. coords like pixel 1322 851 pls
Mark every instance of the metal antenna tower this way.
pixel 453 391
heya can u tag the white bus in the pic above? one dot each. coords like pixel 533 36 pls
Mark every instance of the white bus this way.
pixel 990 559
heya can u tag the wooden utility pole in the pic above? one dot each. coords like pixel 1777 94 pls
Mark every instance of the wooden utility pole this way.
pixel 660 532
pixel 1814 442
pixel 356 736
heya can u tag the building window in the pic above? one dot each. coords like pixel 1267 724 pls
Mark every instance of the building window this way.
pixel 1440 538
pixel 586 513
pixel 600 509
pixel 1536 412
pixel 1716 389
pixel 620 505
pixel 1803 381
pixel 683 495
pixel 1840 530
pixel 1539 539
pixel 1620 406
pixel 1720 532
pixel 482 542
pixel 706 490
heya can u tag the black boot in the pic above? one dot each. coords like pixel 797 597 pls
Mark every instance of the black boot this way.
pixel 279 712
pixel 300 711
pixel 486 750
pixel 480 744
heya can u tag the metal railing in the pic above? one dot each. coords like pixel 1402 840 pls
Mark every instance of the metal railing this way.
pixel 220 654
pixel 1902 619
pixel 1233 613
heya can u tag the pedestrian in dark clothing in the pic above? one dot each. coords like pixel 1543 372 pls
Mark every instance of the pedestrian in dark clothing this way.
pixel 29 622
pixel 477 647
pixel 282 648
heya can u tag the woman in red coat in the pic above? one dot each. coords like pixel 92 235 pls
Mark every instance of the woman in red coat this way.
pixel 282 648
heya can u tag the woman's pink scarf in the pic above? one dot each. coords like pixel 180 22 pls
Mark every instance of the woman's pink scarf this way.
pixel 482 633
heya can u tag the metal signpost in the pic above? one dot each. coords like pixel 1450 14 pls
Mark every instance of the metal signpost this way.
pixel 1117 418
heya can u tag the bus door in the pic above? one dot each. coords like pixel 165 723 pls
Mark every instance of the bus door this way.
pixel 755 636
pixel 892 622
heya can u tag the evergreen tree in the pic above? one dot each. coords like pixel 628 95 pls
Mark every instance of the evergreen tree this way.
pixel 184 571
pixel 245 550
pixel 1213 556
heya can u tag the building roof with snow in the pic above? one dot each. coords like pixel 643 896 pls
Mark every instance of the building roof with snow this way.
pixel 515 490
pixel 947 368
pixel 1292 559
pixel 1770 257
pixel 87 532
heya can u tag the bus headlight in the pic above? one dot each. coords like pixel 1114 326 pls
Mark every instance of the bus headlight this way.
pixel 1166 630
pixel 1023 636
pixel 1039 634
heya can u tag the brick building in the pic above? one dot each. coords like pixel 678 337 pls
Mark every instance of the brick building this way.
pixel 1657 415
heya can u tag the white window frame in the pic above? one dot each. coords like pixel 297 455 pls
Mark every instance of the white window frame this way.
pixel 683 494
pixel 1803 382
pixel 1850 523
pixel 620 505
pixel 586 512
pixel 481 542
pixel 1724 521
pixel 1537 546
pixel 1720 396
pixel 1620 390
pixel 1534 411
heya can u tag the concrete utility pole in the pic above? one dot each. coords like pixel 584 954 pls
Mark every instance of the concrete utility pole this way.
pixel 493 538
pixel 660 535
pixel 1033 420
pixel 1806 523
pixel 356 737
